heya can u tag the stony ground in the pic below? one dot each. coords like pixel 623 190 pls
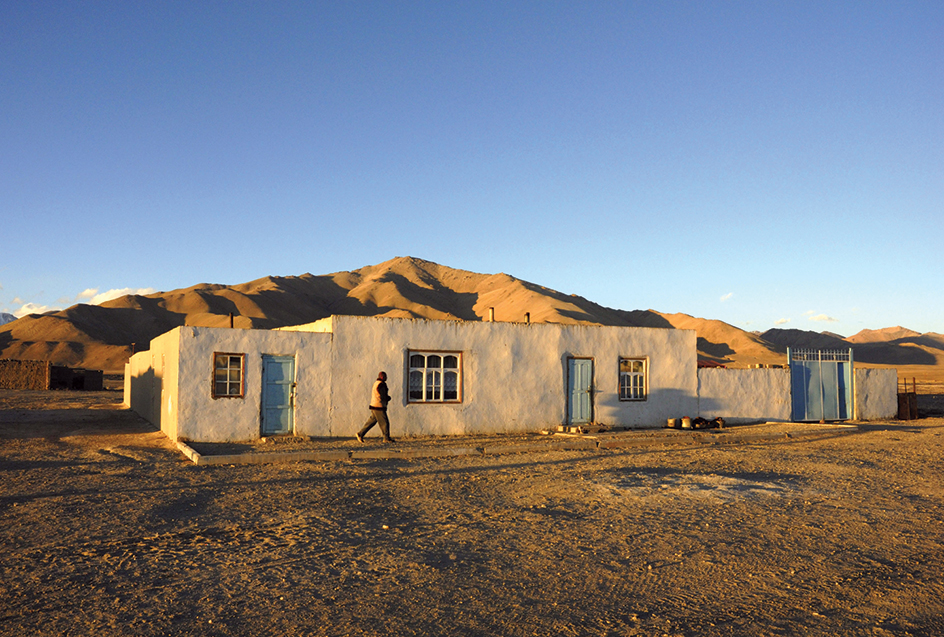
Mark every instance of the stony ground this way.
pixel 107 530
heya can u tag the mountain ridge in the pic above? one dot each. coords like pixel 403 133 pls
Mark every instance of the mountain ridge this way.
pixel 104 336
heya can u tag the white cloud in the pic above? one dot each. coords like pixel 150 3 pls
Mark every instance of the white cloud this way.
pixel 727 296
pixel 98 299
pixel 781 321
pixel 89 295
pixel 32 308
pixel 824 318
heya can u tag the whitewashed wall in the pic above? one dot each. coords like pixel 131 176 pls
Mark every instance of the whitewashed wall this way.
pixel 514 378
pixel 514 375
pixel 876 394
pixel 203 418
pixel 151 389
pixel 744 395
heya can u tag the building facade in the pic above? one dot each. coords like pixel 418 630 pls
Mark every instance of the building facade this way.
pixel 445 377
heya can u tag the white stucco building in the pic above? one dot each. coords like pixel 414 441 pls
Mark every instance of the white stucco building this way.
pixel 445 377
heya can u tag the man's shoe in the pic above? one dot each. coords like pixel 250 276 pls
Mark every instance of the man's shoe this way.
pixel 360 437
pixel 389 440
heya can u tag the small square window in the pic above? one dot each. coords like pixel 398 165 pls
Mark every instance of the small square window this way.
pixel 228 375
pixel 633 382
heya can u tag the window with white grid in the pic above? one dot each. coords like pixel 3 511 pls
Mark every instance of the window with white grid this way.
pixel 435 377
pixel 632 379
pixel 228 375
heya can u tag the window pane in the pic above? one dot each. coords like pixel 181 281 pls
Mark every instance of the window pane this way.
pixel 433 385
pixel 626 365
pixel 451 386
pixel 416 385
pixel 227 374
pixel 417 360
pixel 637 366
pixel 433 361
pixel 450 362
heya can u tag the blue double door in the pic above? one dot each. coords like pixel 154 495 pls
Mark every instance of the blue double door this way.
pixel 278 395
pixel 821 385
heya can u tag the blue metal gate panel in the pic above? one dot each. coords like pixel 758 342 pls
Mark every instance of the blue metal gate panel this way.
pixel 278 393
pixel 580 390
pixel 821 384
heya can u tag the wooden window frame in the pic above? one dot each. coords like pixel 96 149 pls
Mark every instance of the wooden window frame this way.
pixel 242 375
pixel 432 352
pixel 644 375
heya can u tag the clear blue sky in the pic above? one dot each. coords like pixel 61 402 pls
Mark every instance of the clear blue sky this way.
pixel 769 164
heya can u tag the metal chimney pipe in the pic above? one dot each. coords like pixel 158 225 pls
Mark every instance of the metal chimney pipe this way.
pixel 527 318
pixel 491 315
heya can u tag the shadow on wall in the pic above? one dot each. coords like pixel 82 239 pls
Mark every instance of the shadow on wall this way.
pixel 677 400
pixel 708 405
pixel 659 400
pixel 712 408
pixel 145 399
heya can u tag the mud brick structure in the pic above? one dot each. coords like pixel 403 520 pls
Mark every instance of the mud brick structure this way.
pixel 15 374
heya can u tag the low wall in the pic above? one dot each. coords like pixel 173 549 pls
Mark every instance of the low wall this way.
pixel 876 394
pixel 756 395
pixel 744 395
pixel 16 374
pixel 140 387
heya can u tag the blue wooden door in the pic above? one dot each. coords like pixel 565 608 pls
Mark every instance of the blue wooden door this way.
pixel 580 390
pixel 278 395
pixel 821 384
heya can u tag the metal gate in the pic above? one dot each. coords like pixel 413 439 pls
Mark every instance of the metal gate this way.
pixel 821 384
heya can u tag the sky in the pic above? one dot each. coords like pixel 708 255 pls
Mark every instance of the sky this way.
pixel 767 164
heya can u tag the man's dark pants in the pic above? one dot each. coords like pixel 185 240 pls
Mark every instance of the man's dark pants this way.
pixel 377 417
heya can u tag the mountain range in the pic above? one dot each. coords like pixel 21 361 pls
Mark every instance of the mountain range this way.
pixel 104 336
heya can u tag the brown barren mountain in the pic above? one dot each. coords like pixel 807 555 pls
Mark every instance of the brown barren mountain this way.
pixel 104 336
pixel 883 335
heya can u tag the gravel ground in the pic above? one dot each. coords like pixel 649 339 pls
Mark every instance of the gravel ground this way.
pixel 106 529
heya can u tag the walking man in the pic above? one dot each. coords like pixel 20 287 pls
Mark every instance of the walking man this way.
pixel 379 397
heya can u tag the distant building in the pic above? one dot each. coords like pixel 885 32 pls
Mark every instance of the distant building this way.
pixel 29 374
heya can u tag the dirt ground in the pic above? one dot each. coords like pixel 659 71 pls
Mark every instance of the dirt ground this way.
pixel 107 530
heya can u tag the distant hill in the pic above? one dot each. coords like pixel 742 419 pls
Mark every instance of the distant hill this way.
pixel 885 335
pixel 6 318
pixel 890 346
pixel 103 336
